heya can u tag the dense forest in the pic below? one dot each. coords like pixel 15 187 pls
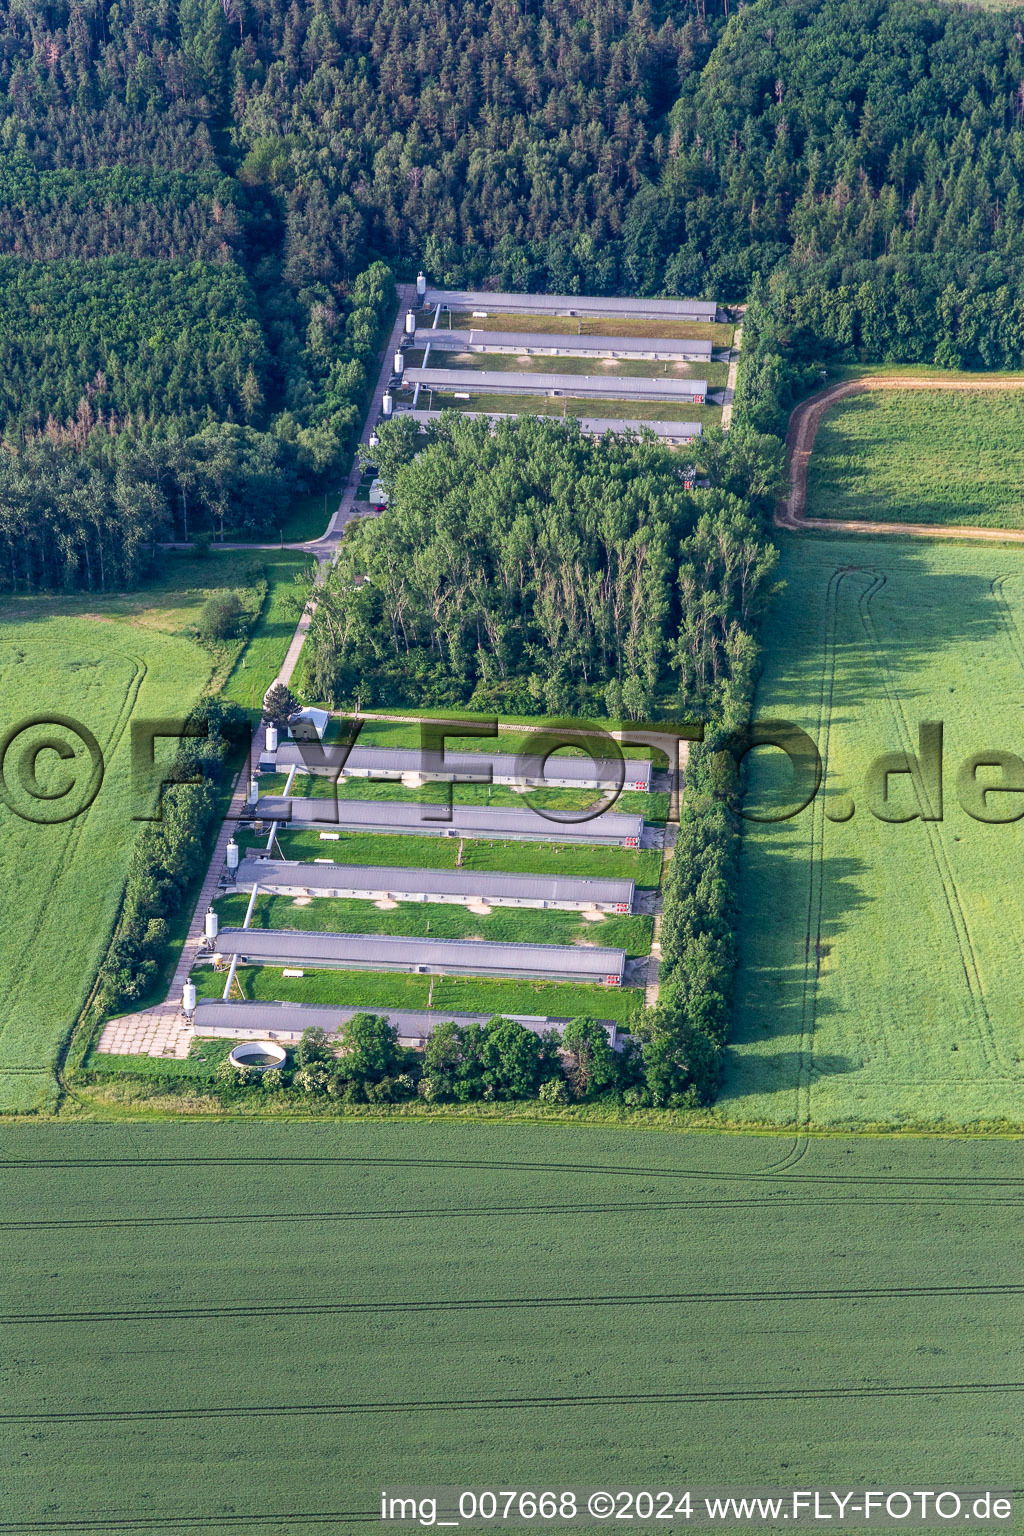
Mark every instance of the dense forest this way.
pixel 530 569
pixel 193 190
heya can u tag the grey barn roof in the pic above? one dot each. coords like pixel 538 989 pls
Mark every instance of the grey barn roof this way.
pixel 577 346
pixel 573 304
pixel 503 764
pixel 467 820
pixel 575 385
pixel 369 951
pixel 456 882
pixel 591 425
pixel 256 1019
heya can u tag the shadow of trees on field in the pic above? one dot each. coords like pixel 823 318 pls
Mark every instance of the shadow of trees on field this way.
pixel 881 612
pixel 784 944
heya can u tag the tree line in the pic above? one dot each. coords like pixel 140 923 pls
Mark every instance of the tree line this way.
pixel 166 859
pixel 495 1062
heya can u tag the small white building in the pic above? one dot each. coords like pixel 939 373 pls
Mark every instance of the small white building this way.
pixel 308 724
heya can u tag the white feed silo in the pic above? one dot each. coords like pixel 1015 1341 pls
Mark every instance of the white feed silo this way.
pixel 399 363
pixel 210 926
pixel 254 790
pixel 188 998
pixel 410 322
pixel 271 739
pixel 387 405
pixel 232 853
pixel 421 286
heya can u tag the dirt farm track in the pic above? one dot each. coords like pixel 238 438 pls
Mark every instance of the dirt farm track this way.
pixel 803 428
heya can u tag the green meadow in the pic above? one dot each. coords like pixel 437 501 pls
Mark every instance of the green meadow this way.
pixel 918 457
pixel 880 959
pixel 719 333
pixel 653 807
pixel 713 373
pixel 640 864
pixel 260 661
pixel 585 407
pixel 396 989
pixel 258 1327
pixel 439 920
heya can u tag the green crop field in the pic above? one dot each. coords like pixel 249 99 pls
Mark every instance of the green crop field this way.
pixel 879 961
pixel 441 920
pixel 249 1327
pixel 61 885
pixel 918 457
pixel 641 864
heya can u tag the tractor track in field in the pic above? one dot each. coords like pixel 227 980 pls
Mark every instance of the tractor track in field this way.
pixel 241 1311
pixel 207 1413
pixel 815 884
pixel 489 1165
pixel 969 960
pixel 804 422
pixel 774 1200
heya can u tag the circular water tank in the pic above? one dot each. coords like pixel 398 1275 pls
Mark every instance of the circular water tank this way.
pixel 232 853
pixel 188 997
pixel 271 738
pixel 211 925
pixel 399 363
pixel 421 285
pixel 267 1055
pixel 410 322
pixel 387 405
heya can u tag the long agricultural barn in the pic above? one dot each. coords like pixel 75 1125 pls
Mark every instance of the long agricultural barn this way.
pixel 451 886
pixel 575 385
pixel 655 349
pixel 559 772
pixel 671 432
pixel 287 1021
pixel 427 957
pixel 572 304
pixel 405 817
